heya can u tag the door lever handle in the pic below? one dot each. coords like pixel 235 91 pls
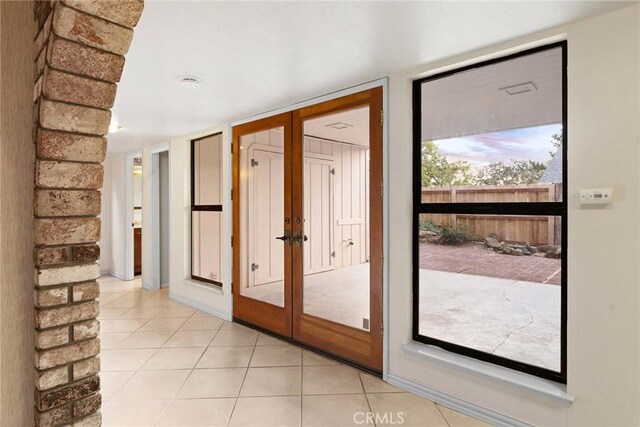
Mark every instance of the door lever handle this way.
pixel 286 237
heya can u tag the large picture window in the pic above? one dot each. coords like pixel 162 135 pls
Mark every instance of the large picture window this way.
pixel 490 211
pixel 206 209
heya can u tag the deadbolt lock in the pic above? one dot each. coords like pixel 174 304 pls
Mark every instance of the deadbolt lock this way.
pixel 298 238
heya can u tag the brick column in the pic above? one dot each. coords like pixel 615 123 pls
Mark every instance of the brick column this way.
pixel 79 50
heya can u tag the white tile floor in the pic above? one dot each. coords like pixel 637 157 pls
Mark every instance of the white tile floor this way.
pixel 166 364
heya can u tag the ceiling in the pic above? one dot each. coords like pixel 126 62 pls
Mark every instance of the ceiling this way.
pixel 521 92
pixel 256 56
pixel 351 127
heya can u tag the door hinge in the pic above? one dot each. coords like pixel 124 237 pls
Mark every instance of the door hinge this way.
pixel 382 256
pixel 381 118
pixel 382 329
pixel 382 189
pixel 231 241
pixel 254 163
pixel 232 148
pixel 232 194
pixel 254 267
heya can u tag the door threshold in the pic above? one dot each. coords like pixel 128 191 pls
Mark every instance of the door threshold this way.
pixel 308 347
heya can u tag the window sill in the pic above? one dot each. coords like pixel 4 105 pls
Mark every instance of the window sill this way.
pixel 521 380
pixel 208 286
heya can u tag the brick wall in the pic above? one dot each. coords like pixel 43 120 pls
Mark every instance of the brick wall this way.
pixel 79 57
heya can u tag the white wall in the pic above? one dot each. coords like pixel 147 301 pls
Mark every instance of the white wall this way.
pixel 137 191
pixel 112 216
pixel 164 216
pixel 604 275
pixel 150 280
pixel 105 221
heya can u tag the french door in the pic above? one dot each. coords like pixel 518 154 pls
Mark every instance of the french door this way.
pixel 307 233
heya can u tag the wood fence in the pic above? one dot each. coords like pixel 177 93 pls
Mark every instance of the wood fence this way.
pixel 536 230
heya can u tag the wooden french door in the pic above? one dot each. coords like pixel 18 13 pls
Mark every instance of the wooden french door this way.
pixel 262 223
pixel 322 256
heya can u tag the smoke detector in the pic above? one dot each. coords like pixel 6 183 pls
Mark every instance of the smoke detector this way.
pixel 190 82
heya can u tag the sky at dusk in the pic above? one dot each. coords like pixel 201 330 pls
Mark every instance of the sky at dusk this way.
pixel 533 143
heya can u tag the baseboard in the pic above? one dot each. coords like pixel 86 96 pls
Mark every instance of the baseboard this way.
pixel 118 276
pixel 222 314
pixel 483 414
pixel 106 272
pixel 150 286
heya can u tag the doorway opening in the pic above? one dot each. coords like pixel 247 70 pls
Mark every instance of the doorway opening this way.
pixel 308 226
pixel 136 217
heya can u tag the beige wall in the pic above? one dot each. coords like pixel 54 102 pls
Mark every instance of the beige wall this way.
pixel 16 197
pixel 604 274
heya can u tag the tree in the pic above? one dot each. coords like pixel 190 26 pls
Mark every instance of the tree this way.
pixel 516 172
pixel 556 140
pixel 437 171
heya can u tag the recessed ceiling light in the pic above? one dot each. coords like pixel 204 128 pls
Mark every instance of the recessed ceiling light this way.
pixel 190 82
pixel 519 88
pixel 339 125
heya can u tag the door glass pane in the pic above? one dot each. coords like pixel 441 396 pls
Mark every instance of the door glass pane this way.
pixel 336 217
pixel 492 283
pixel 262 216
pixel 206 245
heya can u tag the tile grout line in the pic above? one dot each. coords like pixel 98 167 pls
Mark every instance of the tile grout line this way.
pixel 301 387
pixel 223 326
pixel 366 396
pixel 246 372
pixel 151 356
pixel 128 379
pixel 188 375
pixel 443 417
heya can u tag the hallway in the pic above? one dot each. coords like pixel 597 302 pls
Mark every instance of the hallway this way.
pixel 166 364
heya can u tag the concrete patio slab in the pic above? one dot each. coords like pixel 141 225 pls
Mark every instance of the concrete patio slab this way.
pixel 515 319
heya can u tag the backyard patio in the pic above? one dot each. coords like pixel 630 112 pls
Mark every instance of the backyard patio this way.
pixel 500 304
pixel 478 260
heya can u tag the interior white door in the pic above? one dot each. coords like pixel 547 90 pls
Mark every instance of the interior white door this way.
pixel 318 215
pixel 266 210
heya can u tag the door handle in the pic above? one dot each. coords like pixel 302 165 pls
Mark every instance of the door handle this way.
pixel 285 237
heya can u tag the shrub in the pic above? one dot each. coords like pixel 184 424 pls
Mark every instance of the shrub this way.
pixel 430 226
pixel 455 234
